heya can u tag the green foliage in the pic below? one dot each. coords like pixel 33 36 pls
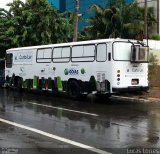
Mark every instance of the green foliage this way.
pixel 155 37
pixel 32 23
pixel 116 3
pixel 117 20
pixel 152 69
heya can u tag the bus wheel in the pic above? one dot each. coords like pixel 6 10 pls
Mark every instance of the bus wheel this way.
pixel 73 90
pixel 19 84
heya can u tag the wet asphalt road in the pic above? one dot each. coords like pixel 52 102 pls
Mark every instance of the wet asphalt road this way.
pixel 104 125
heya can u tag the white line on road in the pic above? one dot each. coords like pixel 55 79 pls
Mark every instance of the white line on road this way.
pixel 90 148
pixel 53 107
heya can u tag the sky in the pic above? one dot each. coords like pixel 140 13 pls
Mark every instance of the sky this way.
pixel 4 2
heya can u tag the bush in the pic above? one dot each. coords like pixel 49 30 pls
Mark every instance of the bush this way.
pixel 152 69
pixel 155 37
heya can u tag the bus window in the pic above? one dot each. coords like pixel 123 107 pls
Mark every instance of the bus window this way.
pixel 101 52
pixel 122 51
pixel 9 59
pixel 44 55
pixel 61 54
pixel 84 53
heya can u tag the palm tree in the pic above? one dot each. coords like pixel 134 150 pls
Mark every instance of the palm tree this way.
pixel 125 21
pixel 101 23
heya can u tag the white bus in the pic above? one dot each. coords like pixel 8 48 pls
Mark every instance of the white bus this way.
pixel 103 66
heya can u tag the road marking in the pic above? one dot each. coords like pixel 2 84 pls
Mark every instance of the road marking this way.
pixel 59 108
pixel 90 148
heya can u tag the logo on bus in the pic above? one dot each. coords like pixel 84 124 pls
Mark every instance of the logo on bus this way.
pixel 23 57
pixel 71 71
pixel 83 71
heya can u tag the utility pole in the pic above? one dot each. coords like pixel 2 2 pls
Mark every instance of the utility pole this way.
pixel 145 21
pixel 158 30
pixel 75 28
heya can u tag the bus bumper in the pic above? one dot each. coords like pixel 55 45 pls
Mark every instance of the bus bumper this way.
pixel 131 89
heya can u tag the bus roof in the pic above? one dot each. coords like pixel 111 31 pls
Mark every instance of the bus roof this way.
pixel 64 44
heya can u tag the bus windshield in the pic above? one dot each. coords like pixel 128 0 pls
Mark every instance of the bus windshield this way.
pixel 122 51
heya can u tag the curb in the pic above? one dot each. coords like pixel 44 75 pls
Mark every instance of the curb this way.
pixel 133 99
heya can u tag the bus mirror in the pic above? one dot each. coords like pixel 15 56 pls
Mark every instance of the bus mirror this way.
pixel 143 54
pixel 139 54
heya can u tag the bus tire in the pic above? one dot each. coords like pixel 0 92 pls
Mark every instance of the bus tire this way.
pixel 73 90
pixel 19 84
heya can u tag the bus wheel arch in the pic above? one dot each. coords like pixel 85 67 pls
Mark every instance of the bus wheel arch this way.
pixel 73 88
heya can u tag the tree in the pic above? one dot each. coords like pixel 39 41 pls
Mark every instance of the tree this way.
pixel 115 3
pixel 122 20
pixel 4 32
pixel 152 69
pixel 101 23
pixel 32 23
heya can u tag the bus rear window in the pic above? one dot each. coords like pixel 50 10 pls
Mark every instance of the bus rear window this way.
pixel 9 58
pixel 122 51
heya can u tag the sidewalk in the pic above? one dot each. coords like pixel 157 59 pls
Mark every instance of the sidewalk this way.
pixel 153 96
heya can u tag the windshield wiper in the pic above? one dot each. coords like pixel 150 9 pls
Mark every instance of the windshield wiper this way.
pixel 141 43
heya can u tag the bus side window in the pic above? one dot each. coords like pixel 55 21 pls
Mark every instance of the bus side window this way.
pixel 61 54
pixel 83 53
pixel 9 60
pixel 44 55
pixel 101 52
